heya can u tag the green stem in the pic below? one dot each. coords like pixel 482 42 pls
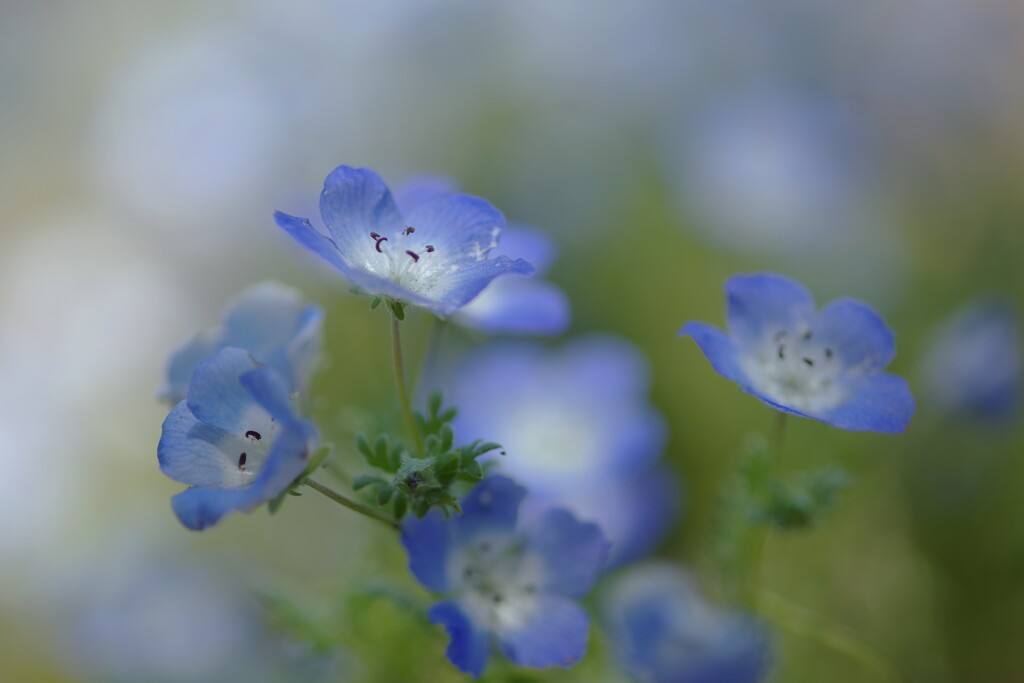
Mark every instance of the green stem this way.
pixel 403 394
pixel 751 585
pixel 802 622
pixel 351 504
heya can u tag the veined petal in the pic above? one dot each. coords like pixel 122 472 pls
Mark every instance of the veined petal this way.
pixel 354 203
pixel 217 397
pixel 201 507
pixel 464 284
pixel 303 232
pixel 470 647
pixel 269 390
pixel 574 552
pixel 876 403
pixel 719 348
pixel 463 229
pixel 553 634
pixel 427 542
pixel 529 244
pixel 418 189
pixel 517 306
pixel 760 304
pixel 857 335
pixel 196 453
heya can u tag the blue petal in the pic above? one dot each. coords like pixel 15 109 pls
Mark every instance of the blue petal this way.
pixel 427 542
pixel 193 452
pixel 517 306
pixel 467 282
pixel 574 552
pixel 877 403
pixel 493 505
pixel 183 363
pixel 719 348
pixel 305 234
pixel 264 317
pixel 470 647
pixel 200 508
pixel 529 244
pixel 217 397
pixel 354 203
pixel 462 228
pixel 555 634
pixel 418 189
pixel 857 334
pixel 758 305
pixel 269 390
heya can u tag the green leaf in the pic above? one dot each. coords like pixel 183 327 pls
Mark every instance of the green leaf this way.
pixel 364 480
pixel 400 505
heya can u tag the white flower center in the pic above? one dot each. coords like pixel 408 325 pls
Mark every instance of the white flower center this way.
pixel 793 369
pixel 410 261
pixel 246 451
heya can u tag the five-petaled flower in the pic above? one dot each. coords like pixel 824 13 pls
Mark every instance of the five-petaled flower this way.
pixel 270 321
pixel 435 256
pixel 235 439
pixel 506 583
pixel 823 365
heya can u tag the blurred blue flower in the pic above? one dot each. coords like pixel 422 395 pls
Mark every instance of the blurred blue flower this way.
pixel 974 365
pixel 578 431
pixel 823 365
pixel 435 256
pixel 662 631
pixel 234 440
pixel 509 583
pixel 271 322
pixel 511 305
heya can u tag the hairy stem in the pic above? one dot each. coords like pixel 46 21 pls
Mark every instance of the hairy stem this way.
pixel 403 394
pixel 352 504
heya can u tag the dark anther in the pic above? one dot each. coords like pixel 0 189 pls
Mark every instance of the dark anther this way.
pixel 808 362
pixel 241 461
pixel 415 257
pixel 808 334
pixel 430 248
pixel 409 230
pixel 254 434
pixel 498 597
pixel 379 240
pixel 375 235
pixel 782 351
pixel 828 353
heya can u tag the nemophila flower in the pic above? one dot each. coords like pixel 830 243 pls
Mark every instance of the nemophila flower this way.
pixel 234 439
pixel 270 321
pixel 510 305
pixel 434 256
pixel 506 584
pixel 661 630
pixel 826 365
pixel 974 365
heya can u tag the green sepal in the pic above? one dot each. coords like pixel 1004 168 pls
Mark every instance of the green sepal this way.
pixel 397 308
pixel 375 303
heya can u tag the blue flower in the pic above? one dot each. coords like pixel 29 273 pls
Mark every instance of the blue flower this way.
pixel 823 365
pixel 271 322
pixel 434 256
pixel 234 440
pixel 662 631
pixel 578 431
pixel 507 583
pixel 974 365
pixel 511 305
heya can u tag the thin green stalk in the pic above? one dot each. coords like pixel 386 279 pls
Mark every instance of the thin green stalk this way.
pixel 351 504
pixel 403 394
pixel 751 585
pixel 803 622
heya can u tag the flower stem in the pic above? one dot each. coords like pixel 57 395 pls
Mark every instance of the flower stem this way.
pixel 803 622
pixel 403 394
pixel 351 504
pixel 760 534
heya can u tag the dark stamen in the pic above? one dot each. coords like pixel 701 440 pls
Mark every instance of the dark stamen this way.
pixel 409 230
pixel 379 240
pixel 413 254
pixel 430 248
pixel 375 235
pixel 254 434
pixel 782 351
pixel 808 362
pixel 828 353
pixel 808 334
pixel 241 461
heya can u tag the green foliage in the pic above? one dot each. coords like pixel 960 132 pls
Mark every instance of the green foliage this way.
pixel 417 484
pixel 803 502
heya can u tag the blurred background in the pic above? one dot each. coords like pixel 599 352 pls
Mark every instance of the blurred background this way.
pixel 870 149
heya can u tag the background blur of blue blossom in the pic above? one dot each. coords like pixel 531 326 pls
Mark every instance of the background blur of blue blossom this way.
pixel 872 149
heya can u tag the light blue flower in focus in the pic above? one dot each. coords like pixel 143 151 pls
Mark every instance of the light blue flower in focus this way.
pixel 435 256
pixel 506 583
pixel 661 630
pixel 270 321
pixel 974 365
pixel 234 439
pixel 826 365
pixel 510 305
